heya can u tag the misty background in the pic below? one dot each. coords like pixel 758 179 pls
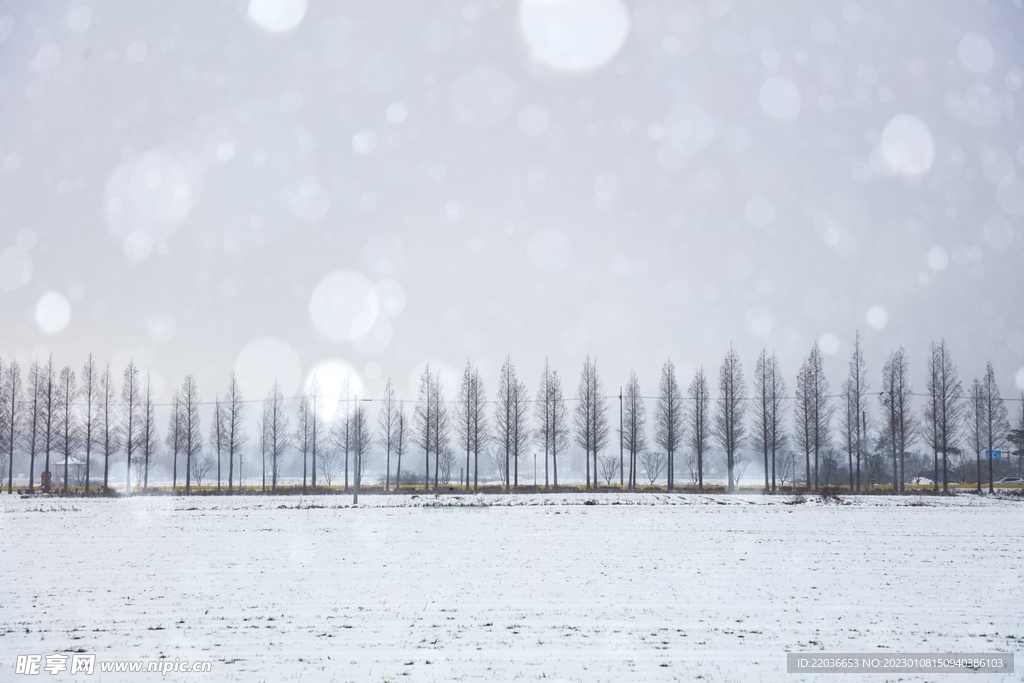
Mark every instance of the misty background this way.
pixel 283 188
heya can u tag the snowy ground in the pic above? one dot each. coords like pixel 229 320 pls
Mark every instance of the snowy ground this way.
pixel 636 587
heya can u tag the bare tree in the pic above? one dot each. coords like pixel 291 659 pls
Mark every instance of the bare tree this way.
pixel 581 416
pixel 362 438
pixel 543 410
pixel 478 399
pixel 341 429
pixel 786 466
pixel 609 467
pixel 67 424
pixel 856 398
pixel 217 436
pixel 668 419
pixel 447 465
pixel 505 418
pixel 813 412
pixel 131 406
pixel 35 384
pixel 302 430
pixel 600 427
pixel 14 416
pixel 264 445
pixel 464 416
pixel 691 466
pixel 729 417
pixel 769 408
pixel 654 464
pixel 362 441
pixel 470 419
pixel 175 441
pixel 591 417
pixel 199 467
pixel 849 426
pixel 275 427
pixel 108 434
pixel 804 419
pixel 441 424
pixel 192 435
pixel 387 422
pixel 997 423
pixel 148 436
pixel 976 420
pixel 699 418
pixel 316 429
pixel 899 427
pixel 559 420
pixel 329 460
pixel 139 470
pixel 944 414
pixel 401 441
pixel 88 393
pixel 48 420
pixel 739 466
pixel 1016 437
pixel 6 466
pixel 521 429
pixel 498 462
pixel 424 423
pixel 634 423
pixel 233 431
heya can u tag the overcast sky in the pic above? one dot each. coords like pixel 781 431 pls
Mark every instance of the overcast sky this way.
pixel 276 188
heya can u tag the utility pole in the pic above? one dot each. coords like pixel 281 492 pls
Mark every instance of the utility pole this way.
pixel 621 462
pixel 357 458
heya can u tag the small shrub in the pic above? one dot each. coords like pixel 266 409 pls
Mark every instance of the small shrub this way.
pixel 830 494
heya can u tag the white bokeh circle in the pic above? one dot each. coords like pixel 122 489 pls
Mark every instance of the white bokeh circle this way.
pixel 160 327
pixel 976 53
pixel 390 297
pixel 759 321
pixel 482 97
pixel 575 35
pixel 149 196
pixel 53 312
pixel 15 268
pixel 780 98
pixel 877 317
pixel 760 211
pixel 533 119
pixel 829 343
pixel 907 145
pixel 690 128
pixel 262 361
pixel 549 250
pixel 343 305
pixel 277 16
pixel 331 376
pixel 938 258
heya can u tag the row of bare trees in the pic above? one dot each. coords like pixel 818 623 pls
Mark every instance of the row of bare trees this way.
pixel 953 423
pixel 51 416
pixel 54 419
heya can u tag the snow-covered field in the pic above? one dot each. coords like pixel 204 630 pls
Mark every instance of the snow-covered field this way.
pixel 634 587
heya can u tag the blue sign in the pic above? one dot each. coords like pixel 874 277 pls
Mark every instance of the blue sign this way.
pixel 995 455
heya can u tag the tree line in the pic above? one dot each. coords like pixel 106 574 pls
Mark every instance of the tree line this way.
pixel 58 421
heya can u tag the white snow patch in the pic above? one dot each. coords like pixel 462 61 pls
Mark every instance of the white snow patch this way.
pixel 633 587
